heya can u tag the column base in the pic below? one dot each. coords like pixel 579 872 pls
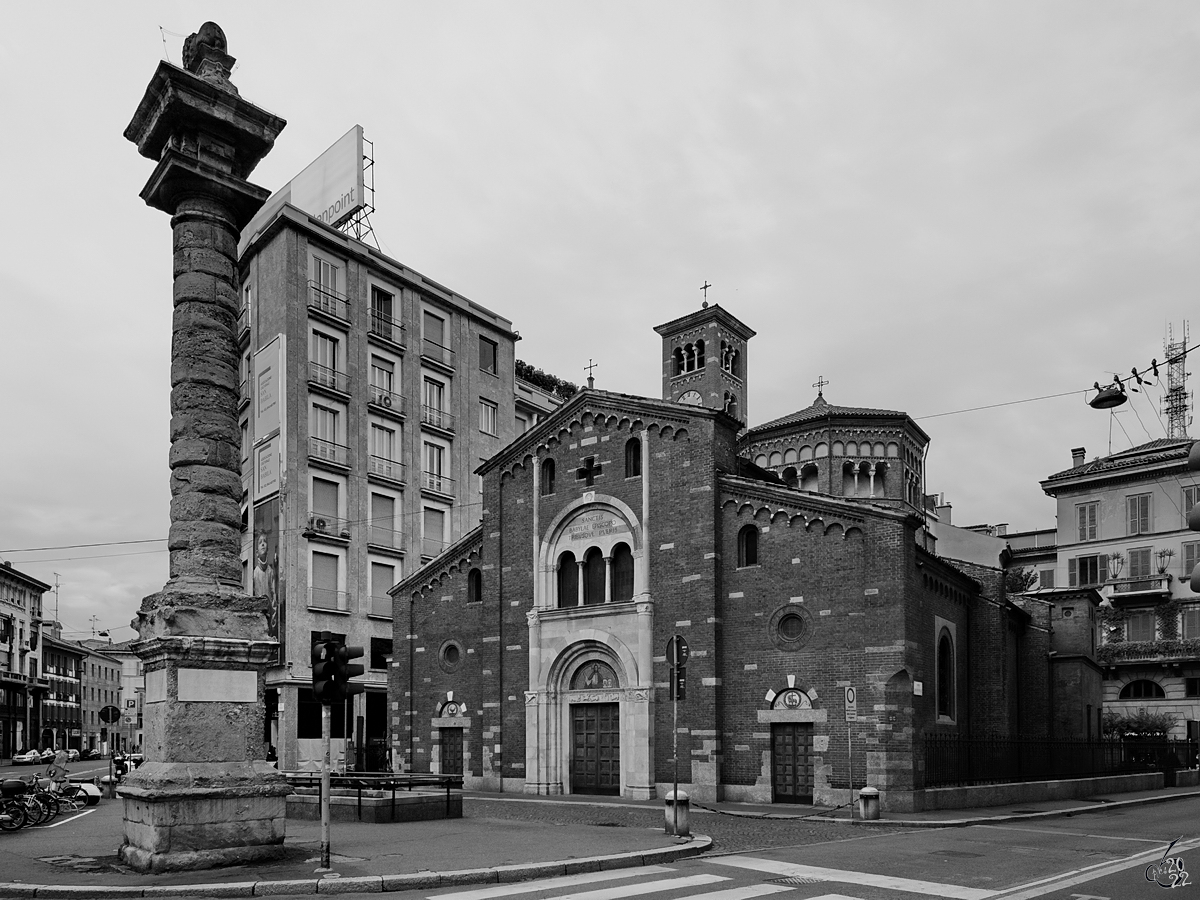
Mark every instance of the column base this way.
pixel 184 816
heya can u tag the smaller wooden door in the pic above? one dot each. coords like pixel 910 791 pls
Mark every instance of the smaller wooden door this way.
pixel 452 751
pixel 791 763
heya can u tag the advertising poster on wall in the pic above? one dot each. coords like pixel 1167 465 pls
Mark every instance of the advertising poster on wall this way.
pixel 266 581
pixel 268 389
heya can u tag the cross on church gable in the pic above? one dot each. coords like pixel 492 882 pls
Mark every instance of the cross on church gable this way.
pixel 588 471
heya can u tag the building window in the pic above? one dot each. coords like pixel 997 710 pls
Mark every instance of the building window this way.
pixel 383 442
pixel 383 379
pixel 1087 517
pixel 383 519
pixel 1087 571
pixel 1046 578
pixel 1191 496
pixel 747 550
pixel 435 329
pixel 474 586
pixel 381 649
pixel 487 355
pixel 568 580
pixel 325 500
pixel 633 458
pixel 593 577
pixel 325 593
pixel 435 467
pixel 1140 626
pixel 450 656
pixel 1140 567
pixel 434 522
pixel 487 417
pixel 547 477
pixel 945 676
pixel 1191 556
pixel 383 576
pixel 1142 689
pixel 1192 687
pixel 382 313
pixel 1137 514
pixel 622 573
pixel 1191 623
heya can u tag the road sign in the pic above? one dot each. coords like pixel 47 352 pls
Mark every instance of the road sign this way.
pixel 851 704
pixel 110 715
pixel 677 651
pixel 679 683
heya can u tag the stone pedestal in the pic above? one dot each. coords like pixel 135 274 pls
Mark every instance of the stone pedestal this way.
pixel 205 795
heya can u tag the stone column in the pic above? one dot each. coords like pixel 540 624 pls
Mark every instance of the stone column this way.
pixel 205 795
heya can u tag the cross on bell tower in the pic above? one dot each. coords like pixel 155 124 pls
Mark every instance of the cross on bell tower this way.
pixel 819 384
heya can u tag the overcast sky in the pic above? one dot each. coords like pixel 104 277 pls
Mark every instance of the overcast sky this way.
pixel 935 206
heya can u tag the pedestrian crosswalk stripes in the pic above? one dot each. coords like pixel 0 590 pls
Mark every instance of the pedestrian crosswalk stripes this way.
pixel 909 885
pixel 552 884
pixel 608 893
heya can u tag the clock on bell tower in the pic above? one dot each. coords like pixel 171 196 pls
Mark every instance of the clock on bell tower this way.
pixel 705 361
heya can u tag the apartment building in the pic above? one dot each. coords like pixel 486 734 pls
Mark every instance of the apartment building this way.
pixel 22 684
pixel 1122 529
pixel 371 395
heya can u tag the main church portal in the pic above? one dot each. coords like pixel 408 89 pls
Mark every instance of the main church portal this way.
pixel 596 748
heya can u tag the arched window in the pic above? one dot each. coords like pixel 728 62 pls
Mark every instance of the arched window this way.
pixel 731 404
pixel 622 573
pixel 699 354
pixel 808 478
pixel 633 458
pixel 474 586
pixel 547 477
pixel 593 577
pixel 748 546
pixel 790 477
pixel 568 580
pixel 678 357
pixel 945 676
pixel 1142 689
pixel 689 358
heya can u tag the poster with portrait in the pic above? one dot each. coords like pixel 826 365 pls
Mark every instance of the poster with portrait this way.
pixel 265 580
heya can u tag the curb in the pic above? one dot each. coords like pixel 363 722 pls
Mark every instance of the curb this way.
pixel 1010 817
pixel 372 884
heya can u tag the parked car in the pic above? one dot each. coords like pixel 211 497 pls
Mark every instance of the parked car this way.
pixel 48 755
pixel 28 758
pixel 91 754
pixel 72 755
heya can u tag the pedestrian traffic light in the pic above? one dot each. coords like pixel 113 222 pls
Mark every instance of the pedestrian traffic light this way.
pixel 1193 516
pixel 344 670
pixel 323 667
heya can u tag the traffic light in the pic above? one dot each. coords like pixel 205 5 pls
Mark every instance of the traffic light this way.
pixel 344 670
pixel 1193 516
pixel 323 667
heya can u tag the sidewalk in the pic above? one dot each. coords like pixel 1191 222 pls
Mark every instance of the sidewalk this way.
pixel 77 857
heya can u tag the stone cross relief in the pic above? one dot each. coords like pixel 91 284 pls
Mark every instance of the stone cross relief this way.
pixel 588 471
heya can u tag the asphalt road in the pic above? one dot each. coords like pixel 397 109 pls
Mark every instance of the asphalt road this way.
pixel 87 768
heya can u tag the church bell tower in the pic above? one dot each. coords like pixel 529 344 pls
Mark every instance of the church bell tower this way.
pixel 705 361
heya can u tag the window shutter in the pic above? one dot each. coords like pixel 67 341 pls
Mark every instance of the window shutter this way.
pixel 1103 567
pixel 1189 558
pixel 1131 515
pixel 1082 510
pixel 1071 572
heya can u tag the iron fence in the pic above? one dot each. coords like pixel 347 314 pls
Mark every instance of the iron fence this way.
pixel 951 760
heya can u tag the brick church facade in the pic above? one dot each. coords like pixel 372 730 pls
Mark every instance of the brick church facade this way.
pixel 531 655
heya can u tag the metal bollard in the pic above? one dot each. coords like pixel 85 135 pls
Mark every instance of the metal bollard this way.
pixel 677 813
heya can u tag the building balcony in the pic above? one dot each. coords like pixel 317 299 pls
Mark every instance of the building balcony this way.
pixel 437 418
pixel 440 484
pixel 1138 589
pixel 243 393
pixel 243 324
pixel 327 599
pixel 381 606
pixel 386 468
pixel 325 377
pixel 327 302
pixel 1164 651
pixel 387 538
pixel 387 401
pixel 328 451
pixel 387 328
pixel 322 525
pixel 432 351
